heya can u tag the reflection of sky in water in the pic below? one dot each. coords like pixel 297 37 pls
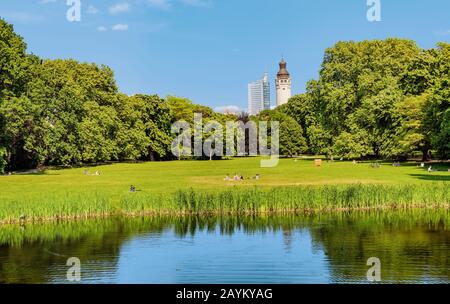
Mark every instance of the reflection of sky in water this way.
pixel 281 257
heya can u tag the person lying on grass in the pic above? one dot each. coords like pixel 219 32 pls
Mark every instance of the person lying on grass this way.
pixel 133 189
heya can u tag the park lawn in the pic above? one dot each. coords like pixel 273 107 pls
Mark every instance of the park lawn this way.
pixel 70 191
pixel 168 177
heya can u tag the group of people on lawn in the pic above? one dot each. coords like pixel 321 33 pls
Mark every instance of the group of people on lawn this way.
pixel 238 177
pixel 97 173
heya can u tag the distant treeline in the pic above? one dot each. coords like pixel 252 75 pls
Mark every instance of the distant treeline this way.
pixel 373 99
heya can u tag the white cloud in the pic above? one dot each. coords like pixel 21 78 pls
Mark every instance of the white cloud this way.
pixel 119 8
pixel 92 10
pixel 102 28
pixel 231 109
pixel 120 27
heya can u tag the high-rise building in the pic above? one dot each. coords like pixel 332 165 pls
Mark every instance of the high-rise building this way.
pixel 266 87
pixel 259 95
pixel 283 84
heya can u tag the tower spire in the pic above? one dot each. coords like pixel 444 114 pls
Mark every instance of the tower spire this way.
pixel 283 83
pixel 283 72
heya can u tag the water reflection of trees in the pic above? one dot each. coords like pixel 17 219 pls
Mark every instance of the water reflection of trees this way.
pixel 34 253
pixel 408 252
pixel 399 239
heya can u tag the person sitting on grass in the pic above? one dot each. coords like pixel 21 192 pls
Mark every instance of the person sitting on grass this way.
pixel 430 169
pixel 132 189
pixel 242 177
pixel 236 177
pixel 227 178
pixel 257 177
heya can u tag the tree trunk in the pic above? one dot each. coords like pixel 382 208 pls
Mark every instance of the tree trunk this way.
pixel 152 156
pixel 425 155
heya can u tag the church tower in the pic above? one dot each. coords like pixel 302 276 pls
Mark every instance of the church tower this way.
pixel 283 84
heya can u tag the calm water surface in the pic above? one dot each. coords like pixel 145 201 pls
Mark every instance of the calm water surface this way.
pixel 414 247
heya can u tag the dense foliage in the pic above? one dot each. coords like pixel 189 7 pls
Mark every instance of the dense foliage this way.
pixel 373 99
pixel 377 99
pixel 63 112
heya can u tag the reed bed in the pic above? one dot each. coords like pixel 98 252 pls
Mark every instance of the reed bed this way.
pixel 236 200
pixel 292 199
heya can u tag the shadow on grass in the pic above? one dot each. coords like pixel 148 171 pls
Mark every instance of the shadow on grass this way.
pixel 431 177
pixel 32 173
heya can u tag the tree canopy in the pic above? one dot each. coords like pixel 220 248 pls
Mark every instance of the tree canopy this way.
pixel 380 98
pixel 377 99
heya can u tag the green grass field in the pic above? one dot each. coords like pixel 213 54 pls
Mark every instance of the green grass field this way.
pixel 71 192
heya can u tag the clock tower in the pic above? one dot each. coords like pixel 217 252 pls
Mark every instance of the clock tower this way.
pixel 283 84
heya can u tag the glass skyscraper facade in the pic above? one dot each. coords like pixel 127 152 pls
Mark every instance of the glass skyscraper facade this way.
pixel 259 95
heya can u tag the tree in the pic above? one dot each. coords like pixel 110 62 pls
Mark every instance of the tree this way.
pixel 292 141
pixel 14 62
pixel 411 133
pixel 349 111
pixel 157 117
pixel 15 67
pixel 441 140
pixel 184 109
pixel 22 132
pixel 359 86
pixel 3 161
pixel 437 118
pixel 429 73
pixel 301 108
pixel 351 145
pixel 131 137
pixel 72 97
pixel 98 133
pixel 319 140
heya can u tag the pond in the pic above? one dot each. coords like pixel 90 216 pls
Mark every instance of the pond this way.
pixel 412 246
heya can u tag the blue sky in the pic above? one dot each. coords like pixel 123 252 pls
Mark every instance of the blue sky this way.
pixel 208 50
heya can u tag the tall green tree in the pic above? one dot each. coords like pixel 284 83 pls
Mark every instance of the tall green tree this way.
pixel 411 133
pixel 429 73
pixel 15 72
pixel 291 138
pixel 23 132
pixel 157 117
pixel 74 98
pixel 359 87
pixel 14 62
pixel 98 133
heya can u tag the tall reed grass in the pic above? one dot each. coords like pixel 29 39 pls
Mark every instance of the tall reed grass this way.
pixel 236 200
pixel 292 199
